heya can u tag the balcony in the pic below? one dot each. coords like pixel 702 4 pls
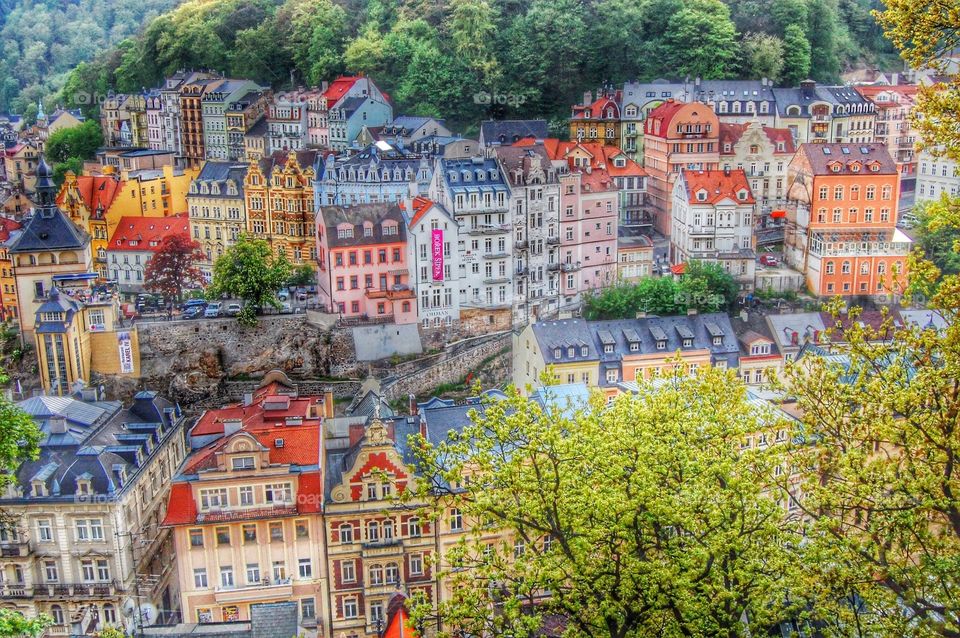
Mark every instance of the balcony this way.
pixel 15 549
pixel 521 245
pixel 77 590
pixel 522 271
pixel 399 291
pixel 570 267
pixel 57 630
pixel 702 230
pixel 553 241
pixel 281 588
pixel 495 254
pixel 553 267
pixel 15 590
pixel 489 229
pixel 496 279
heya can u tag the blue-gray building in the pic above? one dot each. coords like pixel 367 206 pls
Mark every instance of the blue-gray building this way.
pixel 378 173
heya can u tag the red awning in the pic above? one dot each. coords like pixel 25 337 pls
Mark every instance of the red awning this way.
pixel 778 214
pixel 678 269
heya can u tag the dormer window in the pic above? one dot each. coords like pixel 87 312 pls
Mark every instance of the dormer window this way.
pixel 557 353
pixel 687 343
pixel 661 344
pixel 742 195
pixel 243 463
pixel 875 168
pixel 368 230
pixel 608 349
pixel 389 229
pixel 39 488
pixel 701 196
pixel 718 340
pixel 345 233
pixel 571 353
pixel 634 346
pixel 84 486
pixel 835 168
pixel 583 351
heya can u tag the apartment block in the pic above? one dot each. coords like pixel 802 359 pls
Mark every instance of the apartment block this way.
pixel 278 192
pixel 217 210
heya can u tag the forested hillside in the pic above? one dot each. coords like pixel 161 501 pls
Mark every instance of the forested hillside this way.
pixel 41 41
pixel 435 56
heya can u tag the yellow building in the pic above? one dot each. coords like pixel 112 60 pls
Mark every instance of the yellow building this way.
pixel 596 120
pixel 218 212
pixel 607 353
pixel 87 199
pixel 9 229
pixel 19 165
pixel 74 327
pixel 152 193
pixel 279 199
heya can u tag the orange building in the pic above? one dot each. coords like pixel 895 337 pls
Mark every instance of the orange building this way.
pixel 8 282
pixel 841 219
pixel 87 199
pixel 597 120
pixel 279 198
pixel 191 116
pixel 677 136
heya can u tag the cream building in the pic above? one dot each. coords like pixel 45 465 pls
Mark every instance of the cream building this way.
pixel 218 213
pixel 83 544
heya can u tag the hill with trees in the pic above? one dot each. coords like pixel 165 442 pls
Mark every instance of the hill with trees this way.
pixel 43 40
pixel 438 57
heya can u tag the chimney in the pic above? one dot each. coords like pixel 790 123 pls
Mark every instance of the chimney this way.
pixel 412 404
pixel 231 426
pixel 807 88
pixel 247 399
pixel 587 98
pixel 691 312
pixel 641 314
pixel 57 425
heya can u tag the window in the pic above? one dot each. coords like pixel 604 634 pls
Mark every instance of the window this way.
pixel 279 493
pixel 373 531
pixel 308 608
pixel 348 571
pixel 276 531
pixel 279 571
pixel 196 538
pixel 87 570
pixel 376 575
pixel 416 564
pixel 243 463
pixel 305 568
pixel 246 495
pixel 349 607
pixel 302 529
pixel 413 527
pixel 456 520
pixel 223 535
pixel 392 573
pixel 253 573
pixel 89 529
pixel 346 533
pixel 250 533
pixel 845 268
pixel 213 499
pixel 56 612
pixel 612 376
pixel 50 572
pixel 44 531
pixel 226 576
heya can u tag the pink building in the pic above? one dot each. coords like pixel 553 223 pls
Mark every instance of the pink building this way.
pixel 362 263
pixel 589 214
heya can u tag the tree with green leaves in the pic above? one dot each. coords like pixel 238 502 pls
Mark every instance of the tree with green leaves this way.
pixel 303 275
pixel 762 56
pixel 701 41
pixel 640 517
pixel 13 624
pixel 249 270
pixel 796 56
pixel 706 286
pixel 19 437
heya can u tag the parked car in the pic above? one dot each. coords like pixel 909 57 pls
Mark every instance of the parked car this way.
pixel 286 308
pixel 908 220
pixel 768 259
pixel 213 310
pixel 194 303
pixel 192 312
pixel 233 310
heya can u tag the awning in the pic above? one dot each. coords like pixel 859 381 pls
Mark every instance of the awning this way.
pixel 778 214
pixel 76 276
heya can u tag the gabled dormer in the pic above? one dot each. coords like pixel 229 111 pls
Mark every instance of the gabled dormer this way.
pixel 377 471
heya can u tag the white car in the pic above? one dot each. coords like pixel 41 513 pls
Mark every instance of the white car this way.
pixel 213 310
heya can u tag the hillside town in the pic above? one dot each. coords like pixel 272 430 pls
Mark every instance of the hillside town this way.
pixel 184 492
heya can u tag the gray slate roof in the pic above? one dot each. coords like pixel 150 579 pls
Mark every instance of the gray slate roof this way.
pixel 496 132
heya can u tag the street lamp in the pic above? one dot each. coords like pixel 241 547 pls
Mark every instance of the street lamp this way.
pixel 379 626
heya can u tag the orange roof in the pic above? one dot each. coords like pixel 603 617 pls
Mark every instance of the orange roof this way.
pixel 601 156
pixel 398 625
pixel 146 233
pixel 95 191
pixel 338 88
pixel 678 269
pixel 181 508
pixel 420 207
pixel 300 446
pixel 665 112
pixel 595 110
pixel 731 133
pixel 906 91
pixel 719 185
pixel 8 225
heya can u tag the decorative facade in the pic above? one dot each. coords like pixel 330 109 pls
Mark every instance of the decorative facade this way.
pixel 278 191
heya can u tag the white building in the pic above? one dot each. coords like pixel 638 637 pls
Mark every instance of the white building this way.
pixel 535 204
pixel 437 285
pixel 713 214
pixel 936 176
pixel 287 123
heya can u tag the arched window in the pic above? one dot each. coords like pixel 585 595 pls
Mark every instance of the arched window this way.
pixel 413 526
pixel 376 575
pixel 387 529
pixel 56 611
pixel 393 574
pixel 373 531
pixel 346 533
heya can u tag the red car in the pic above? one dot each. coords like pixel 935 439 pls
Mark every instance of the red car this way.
pixel 768 259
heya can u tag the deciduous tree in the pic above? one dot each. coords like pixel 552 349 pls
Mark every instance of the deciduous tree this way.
pixel 796 55
pixel 13 624
pixel 762 56
pixel 701 40
pixel 173 268
pixel 641 517
pixel 248 270
pixel 19 436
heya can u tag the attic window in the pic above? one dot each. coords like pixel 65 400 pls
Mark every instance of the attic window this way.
pixel 855 168
pixel 583 351
pixel 835 168
pixel 634 346
pixel 557 353
pixel 718 340
pixel 39 488
pixel 620 162
pixel 687 343
pixel 571 352
pixel 661 344
pixel 875 168
pixel 742 195
pixel 701 196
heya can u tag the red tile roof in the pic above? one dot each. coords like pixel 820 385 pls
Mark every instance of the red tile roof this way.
pixel 181 508
pixel 731 133
pixel 719 185
pixel 601 156
pixel 95 191
pixel 147 232
pixel 665 113
pixel 301 446
pixel 420 207
pixel 338 88
pixel 7 225
pixel 596 110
